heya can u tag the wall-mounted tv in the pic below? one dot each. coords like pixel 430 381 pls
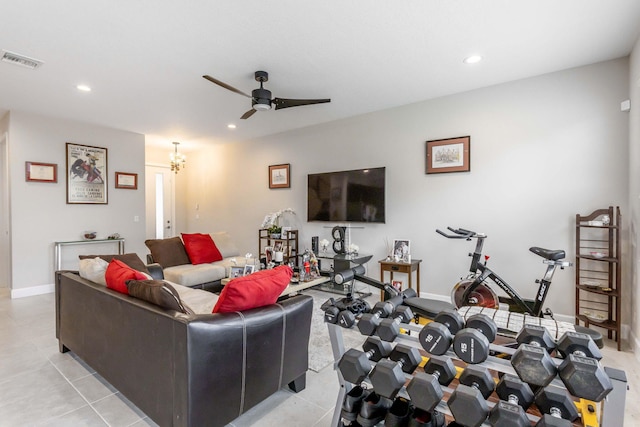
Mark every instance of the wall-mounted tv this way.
pixel 347 196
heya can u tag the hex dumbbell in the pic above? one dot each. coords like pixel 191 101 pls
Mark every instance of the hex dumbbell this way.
pixel 555 402
pixel 578 344
pixel 471 344
pixel 516 396
pixel 436 337
pixel 389 328
pixel 537 336
pixel 425 390
pixel 387 377
pixel 355 365
pixel 468 402
pixel 369 321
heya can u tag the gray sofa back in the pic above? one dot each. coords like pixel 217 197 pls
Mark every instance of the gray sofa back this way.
pixel 184 370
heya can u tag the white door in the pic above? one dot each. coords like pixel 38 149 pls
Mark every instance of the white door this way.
pixel 160 209
pixel 5 249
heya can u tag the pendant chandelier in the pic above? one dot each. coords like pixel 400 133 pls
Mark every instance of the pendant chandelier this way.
pixel 177 160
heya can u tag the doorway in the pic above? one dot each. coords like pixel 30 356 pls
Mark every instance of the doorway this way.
pixel 160 202
pixel 5 236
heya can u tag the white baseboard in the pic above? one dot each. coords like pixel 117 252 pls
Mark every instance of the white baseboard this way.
pixel 32 291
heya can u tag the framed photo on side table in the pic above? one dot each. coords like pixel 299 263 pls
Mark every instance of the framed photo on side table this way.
pixel 128 181
pixel 449 155
pixel 236 271
pixel 41 172
pixel 279 176
pixel 248 269
pixel 86 174
pixel 401 250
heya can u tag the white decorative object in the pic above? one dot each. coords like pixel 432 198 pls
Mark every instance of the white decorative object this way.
pixel 324 245
pixel 278 256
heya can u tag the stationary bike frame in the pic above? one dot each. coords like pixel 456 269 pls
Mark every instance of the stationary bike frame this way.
pixel 479 272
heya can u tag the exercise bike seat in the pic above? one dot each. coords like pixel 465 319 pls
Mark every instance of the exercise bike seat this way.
pixel 427 307
pixel 549 254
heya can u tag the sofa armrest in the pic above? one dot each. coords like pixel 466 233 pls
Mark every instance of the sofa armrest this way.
pixel 156 271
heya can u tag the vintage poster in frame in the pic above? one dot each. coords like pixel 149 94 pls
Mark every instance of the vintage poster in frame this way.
pixel 449 155
pixel 279 176
pixel 86 174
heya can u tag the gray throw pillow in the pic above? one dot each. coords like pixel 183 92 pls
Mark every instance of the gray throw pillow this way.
pixel 131 259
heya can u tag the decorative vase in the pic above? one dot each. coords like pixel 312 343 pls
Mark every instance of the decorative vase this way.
pixel 278 256
pixel 275 235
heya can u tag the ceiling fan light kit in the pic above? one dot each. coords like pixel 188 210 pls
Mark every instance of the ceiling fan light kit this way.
pixel 261 98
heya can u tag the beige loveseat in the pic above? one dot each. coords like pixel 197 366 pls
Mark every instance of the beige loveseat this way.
pixel 171 255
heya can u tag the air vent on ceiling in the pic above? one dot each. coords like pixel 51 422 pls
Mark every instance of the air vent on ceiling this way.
pixel 23 61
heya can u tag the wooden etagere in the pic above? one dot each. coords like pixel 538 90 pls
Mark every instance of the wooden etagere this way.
pixel 288 239
pixel 598 270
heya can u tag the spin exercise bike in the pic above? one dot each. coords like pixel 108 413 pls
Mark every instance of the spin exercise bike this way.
pixel 475 288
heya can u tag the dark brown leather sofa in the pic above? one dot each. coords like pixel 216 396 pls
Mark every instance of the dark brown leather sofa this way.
pixel 181 370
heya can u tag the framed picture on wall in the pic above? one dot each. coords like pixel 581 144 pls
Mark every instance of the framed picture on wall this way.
pixel 41 172
pixel 86 174
pixel 279 176
pixel 449 155
pixel 128 181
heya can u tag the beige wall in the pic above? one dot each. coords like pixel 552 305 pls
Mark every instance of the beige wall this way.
pixel 542 150
pixel 39 213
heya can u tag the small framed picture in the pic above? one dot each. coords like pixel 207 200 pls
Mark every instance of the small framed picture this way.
pixel 401 249
pixel 248 269
pixel 449 155
pixel 236 272
pixel 128 181
pixel 397 285
pixel 279 176
pixel 41 172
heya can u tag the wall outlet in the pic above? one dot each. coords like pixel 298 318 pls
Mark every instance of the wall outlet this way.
pixel 136 218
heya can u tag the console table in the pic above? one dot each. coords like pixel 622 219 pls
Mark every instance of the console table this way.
pixel 400 267
pixel 57 257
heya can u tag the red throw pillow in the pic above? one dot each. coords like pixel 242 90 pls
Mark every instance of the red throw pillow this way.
pixel 200 248
pixel 118 273
pixel 255 290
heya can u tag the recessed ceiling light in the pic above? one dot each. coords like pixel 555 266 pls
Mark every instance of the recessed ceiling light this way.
pixel 473 59
pixel 231 126
pixel 83 88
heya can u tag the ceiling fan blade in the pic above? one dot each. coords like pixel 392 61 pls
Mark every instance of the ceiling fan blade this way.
pixel 226 86
pixel 286 103
pixel 248 114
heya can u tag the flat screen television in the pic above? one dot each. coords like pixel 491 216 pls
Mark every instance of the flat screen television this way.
pixel 347 196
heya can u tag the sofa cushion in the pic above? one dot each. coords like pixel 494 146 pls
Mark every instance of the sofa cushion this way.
pixel 255 290
pixel 168 252
pixel 118 273
pixel 191 275
pixel 198 300
pixel 157 292
pixel 93 269
pixel 131 259
pixel 224 244
pixel 200 248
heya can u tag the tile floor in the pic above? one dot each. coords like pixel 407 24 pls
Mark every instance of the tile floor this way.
pixel 41 387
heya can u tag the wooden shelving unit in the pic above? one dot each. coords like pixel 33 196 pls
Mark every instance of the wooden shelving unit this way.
pixel 288 239
pixel 598 271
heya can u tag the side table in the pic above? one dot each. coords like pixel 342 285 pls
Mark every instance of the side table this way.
pixel 400 267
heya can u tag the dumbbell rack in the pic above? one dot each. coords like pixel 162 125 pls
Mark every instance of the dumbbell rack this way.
pixel 608 413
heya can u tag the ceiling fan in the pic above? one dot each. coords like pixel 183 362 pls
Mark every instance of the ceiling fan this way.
pixel 261 98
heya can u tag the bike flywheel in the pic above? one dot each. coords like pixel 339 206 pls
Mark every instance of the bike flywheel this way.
pixel 482 296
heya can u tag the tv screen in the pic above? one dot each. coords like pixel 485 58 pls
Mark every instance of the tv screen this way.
pixel 347 196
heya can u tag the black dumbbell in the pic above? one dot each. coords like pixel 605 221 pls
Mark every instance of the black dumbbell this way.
pixel 516 396
pixel 471 344
pixel 555 402
pixel 387 377
pixel 425 390
pixel 468 402
pixel 578 344
pixel 436 337
pixel 355 365
pixel 533 365
pixel 369 321
pixel 389 328
pixel 537 336
pixel 584 377
pixel 548 420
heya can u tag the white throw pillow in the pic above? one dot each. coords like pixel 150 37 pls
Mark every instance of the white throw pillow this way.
pixel 93 269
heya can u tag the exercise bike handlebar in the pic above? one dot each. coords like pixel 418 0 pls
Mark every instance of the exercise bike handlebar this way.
pixel 459 233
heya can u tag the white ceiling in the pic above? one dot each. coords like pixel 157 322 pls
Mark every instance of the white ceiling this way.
pixel 144 59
